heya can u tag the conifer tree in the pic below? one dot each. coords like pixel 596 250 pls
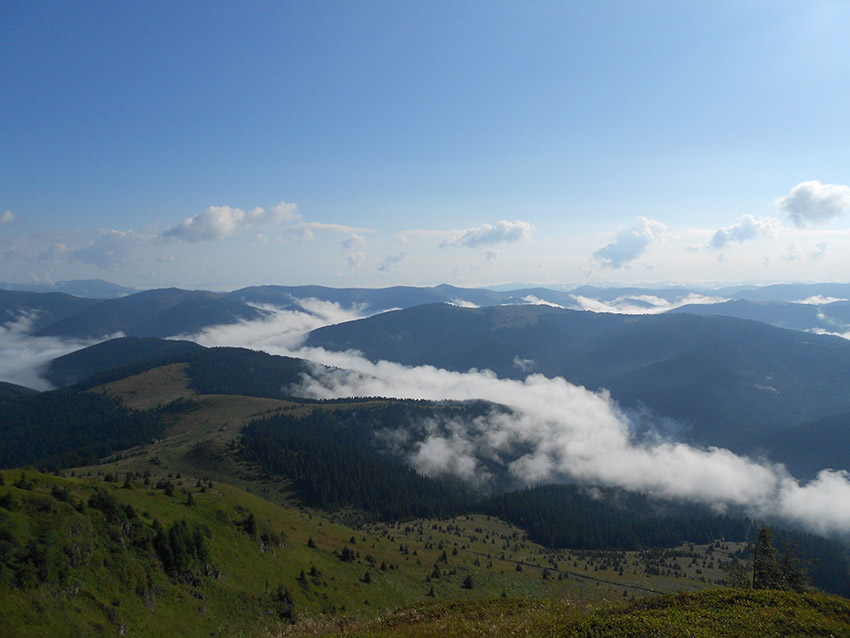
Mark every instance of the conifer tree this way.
pixel 767 573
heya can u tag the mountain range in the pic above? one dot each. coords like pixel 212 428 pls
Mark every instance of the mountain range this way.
pixel 170 312
pixel 247 500
pixel 746 373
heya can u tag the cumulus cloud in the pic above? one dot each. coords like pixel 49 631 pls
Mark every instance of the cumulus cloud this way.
pixel 813 202
pixel 747 227
pixel 492 256
pixel 631 242
pixel 215 222
pixel 6 217
pixel 488 234
pixel 218 222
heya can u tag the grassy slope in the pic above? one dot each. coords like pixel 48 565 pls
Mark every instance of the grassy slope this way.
pixel 712 614
pixel 111 586
pixel 238 603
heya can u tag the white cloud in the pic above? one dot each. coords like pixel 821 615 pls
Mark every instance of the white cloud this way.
pixel 353 241
pixel 23 358
pixel 792 253
pixel 6 217
pixel 462 303
pixel 282 213
pixel 53 253
pixel 561 430
pixel 282 330
pixel 747 227
pixel 111 248
pixel 492 256
pixel 537 301
pixel 333 228
pixel 815 202
pixel 631 242
pixel 642 304
pixel 354 260
pixel 218 222
pixel 819 300
pixel 487 235
pixel 554 430
pixel 818 252
pixel 391 262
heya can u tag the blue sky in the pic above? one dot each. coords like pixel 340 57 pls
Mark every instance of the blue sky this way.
pixel 378 143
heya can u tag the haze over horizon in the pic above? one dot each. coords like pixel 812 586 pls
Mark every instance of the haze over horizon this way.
pixel 375 144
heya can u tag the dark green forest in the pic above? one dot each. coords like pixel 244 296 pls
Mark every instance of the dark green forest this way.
pixel 67 428
pixel 334 475
pixel 334 460
pixel 607 518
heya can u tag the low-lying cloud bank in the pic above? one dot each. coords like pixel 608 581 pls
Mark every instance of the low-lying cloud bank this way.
pixel 643 304
pixel 555 430
pixel 23 358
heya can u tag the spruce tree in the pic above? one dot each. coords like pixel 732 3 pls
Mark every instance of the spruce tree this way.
pixel 767 573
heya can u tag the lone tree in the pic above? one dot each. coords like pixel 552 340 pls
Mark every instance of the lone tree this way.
pixel 766 571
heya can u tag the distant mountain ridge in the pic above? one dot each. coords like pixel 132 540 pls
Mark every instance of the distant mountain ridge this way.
pixel 154 313
pixel 726 379
pixel 91 288
pixel 211 370
pixel 171 312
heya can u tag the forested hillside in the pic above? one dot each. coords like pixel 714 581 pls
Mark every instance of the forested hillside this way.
pixel 66 428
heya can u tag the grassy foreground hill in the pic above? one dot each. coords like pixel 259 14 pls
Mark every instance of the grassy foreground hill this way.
pixel 180 536
pixel 721 613
pixel 106 555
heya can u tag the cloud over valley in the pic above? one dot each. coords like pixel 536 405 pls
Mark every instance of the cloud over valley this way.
pixel 552 431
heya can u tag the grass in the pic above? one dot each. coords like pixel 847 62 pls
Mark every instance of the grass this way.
pixel 390 587
pixel 112 585
pixel 719 613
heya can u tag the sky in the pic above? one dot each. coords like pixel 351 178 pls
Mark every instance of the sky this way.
pixel 218 145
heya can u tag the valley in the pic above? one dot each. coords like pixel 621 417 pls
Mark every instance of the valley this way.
pixel 309 514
